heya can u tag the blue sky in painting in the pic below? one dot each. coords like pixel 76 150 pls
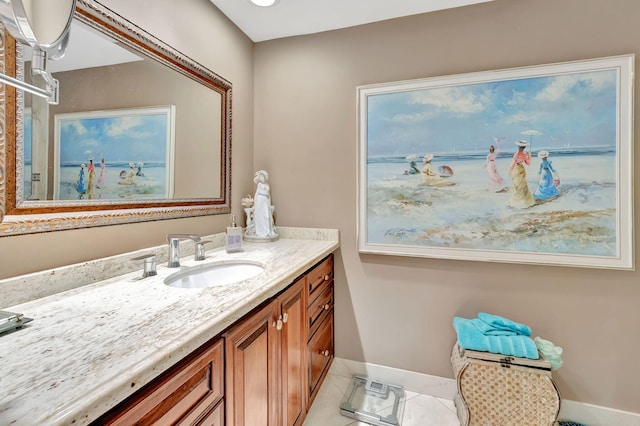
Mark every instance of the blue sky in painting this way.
pixel 569 110
pixel 137 138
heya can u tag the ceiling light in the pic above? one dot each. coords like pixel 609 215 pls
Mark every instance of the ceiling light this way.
pixel 264 3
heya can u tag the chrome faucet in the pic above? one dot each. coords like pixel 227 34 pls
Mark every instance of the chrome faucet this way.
pixel 174 244
pixel 149 265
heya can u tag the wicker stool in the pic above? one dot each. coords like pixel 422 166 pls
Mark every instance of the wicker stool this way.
pixel 498 390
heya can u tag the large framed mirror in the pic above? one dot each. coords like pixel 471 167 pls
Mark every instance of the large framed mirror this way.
pixel 141 132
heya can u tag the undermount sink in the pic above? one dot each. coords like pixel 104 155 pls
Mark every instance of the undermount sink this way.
pixel 216 274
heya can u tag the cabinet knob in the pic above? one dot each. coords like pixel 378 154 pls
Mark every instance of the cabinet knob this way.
pixel 279 324
pixel 326 307
pixel 326 352
pixel 327 277
pixel 285 317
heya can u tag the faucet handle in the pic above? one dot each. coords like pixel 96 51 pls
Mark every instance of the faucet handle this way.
pixel 200 251
pixel 149 265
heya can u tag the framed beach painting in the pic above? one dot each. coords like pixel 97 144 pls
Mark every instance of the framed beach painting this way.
pixel 526 165
pixel 114 154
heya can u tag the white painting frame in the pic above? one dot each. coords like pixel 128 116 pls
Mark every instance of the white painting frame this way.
pixel 589 223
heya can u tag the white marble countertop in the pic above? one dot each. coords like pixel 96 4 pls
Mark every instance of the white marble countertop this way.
pixel 90 347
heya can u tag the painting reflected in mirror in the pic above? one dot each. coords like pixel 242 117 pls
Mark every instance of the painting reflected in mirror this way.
pixel 139 127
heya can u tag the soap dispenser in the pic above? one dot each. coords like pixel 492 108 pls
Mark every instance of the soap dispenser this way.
pixel 234 236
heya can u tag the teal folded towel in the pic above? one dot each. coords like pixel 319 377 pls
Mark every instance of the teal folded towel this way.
pixel 472 338
pixel 501 323
pixel 489 330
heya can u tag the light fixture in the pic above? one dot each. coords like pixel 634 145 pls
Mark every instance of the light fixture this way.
pixel 48 39
pixel 264 3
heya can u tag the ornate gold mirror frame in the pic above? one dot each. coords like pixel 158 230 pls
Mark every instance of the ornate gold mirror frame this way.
pixel 25 218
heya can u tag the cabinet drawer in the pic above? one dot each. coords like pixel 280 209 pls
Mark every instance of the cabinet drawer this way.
pixel 320 353
pixel 215 417
pixel 319 275
pixel 181 397
pixel 320 306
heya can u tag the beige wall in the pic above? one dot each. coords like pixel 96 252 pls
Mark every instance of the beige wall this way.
pixel 397 311
pixel 201 32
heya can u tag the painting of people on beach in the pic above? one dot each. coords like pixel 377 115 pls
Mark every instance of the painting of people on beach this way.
pixel 115 154
pixel 527 165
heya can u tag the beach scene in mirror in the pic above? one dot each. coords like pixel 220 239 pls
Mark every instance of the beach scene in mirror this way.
pixel 114 154
pixel 109 155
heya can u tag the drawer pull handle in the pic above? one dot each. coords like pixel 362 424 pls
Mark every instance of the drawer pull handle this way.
pixel 326 352
pixel 327 277
pixel 326 307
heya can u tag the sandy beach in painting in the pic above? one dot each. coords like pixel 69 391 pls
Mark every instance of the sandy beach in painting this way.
pixel 152 183
pixel 582 220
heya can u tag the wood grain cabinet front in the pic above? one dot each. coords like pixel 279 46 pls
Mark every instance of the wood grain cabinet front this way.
pixel 320 308
pixel 319 276
pixel 265 375
pixel 264 370
pixel 190 393
pixel 292 355
pixel 215 417
pixel 320 355
pixel 320 343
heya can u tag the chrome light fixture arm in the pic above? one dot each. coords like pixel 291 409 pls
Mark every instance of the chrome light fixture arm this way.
pixel 18 21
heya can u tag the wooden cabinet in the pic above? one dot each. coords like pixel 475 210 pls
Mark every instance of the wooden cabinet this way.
pixel 271 363
pixel 292 355
pixel 320 355
pixel 215 417
pixel 265 376
pixel 190 393
pixel 251 354
pixel 278 356
pixel 320 344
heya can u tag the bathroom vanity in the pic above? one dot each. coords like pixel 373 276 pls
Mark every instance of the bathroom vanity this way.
pixel 126 350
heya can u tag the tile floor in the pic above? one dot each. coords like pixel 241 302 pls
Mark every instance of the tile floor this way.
pixel 419 409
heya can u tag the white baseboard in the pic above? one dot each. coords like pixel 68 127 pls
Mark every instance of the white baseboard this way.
pixel 595 415
pixel 425 384
pixel 442 387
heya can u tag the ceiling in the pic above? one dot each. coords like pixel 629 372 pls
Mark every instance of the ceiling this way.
pixel 87 48
pixel 297 17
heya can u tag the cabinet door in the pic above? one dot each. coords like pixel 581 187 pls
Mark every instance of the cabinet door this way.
pixel 293 354
pixel 252 370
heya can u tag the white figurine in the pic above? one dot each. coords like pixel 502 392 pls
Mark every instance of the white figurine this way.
pixel 262 226
pixel 247 203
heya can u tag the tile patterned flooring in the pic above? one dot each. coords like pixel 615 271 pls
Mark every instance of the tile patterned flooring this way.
pixel 419 409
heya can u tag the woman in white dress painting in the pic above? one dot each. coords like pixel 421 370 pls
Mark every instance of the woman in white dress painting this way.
pixel 262 214
pixel 431 177
pixel 496 182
